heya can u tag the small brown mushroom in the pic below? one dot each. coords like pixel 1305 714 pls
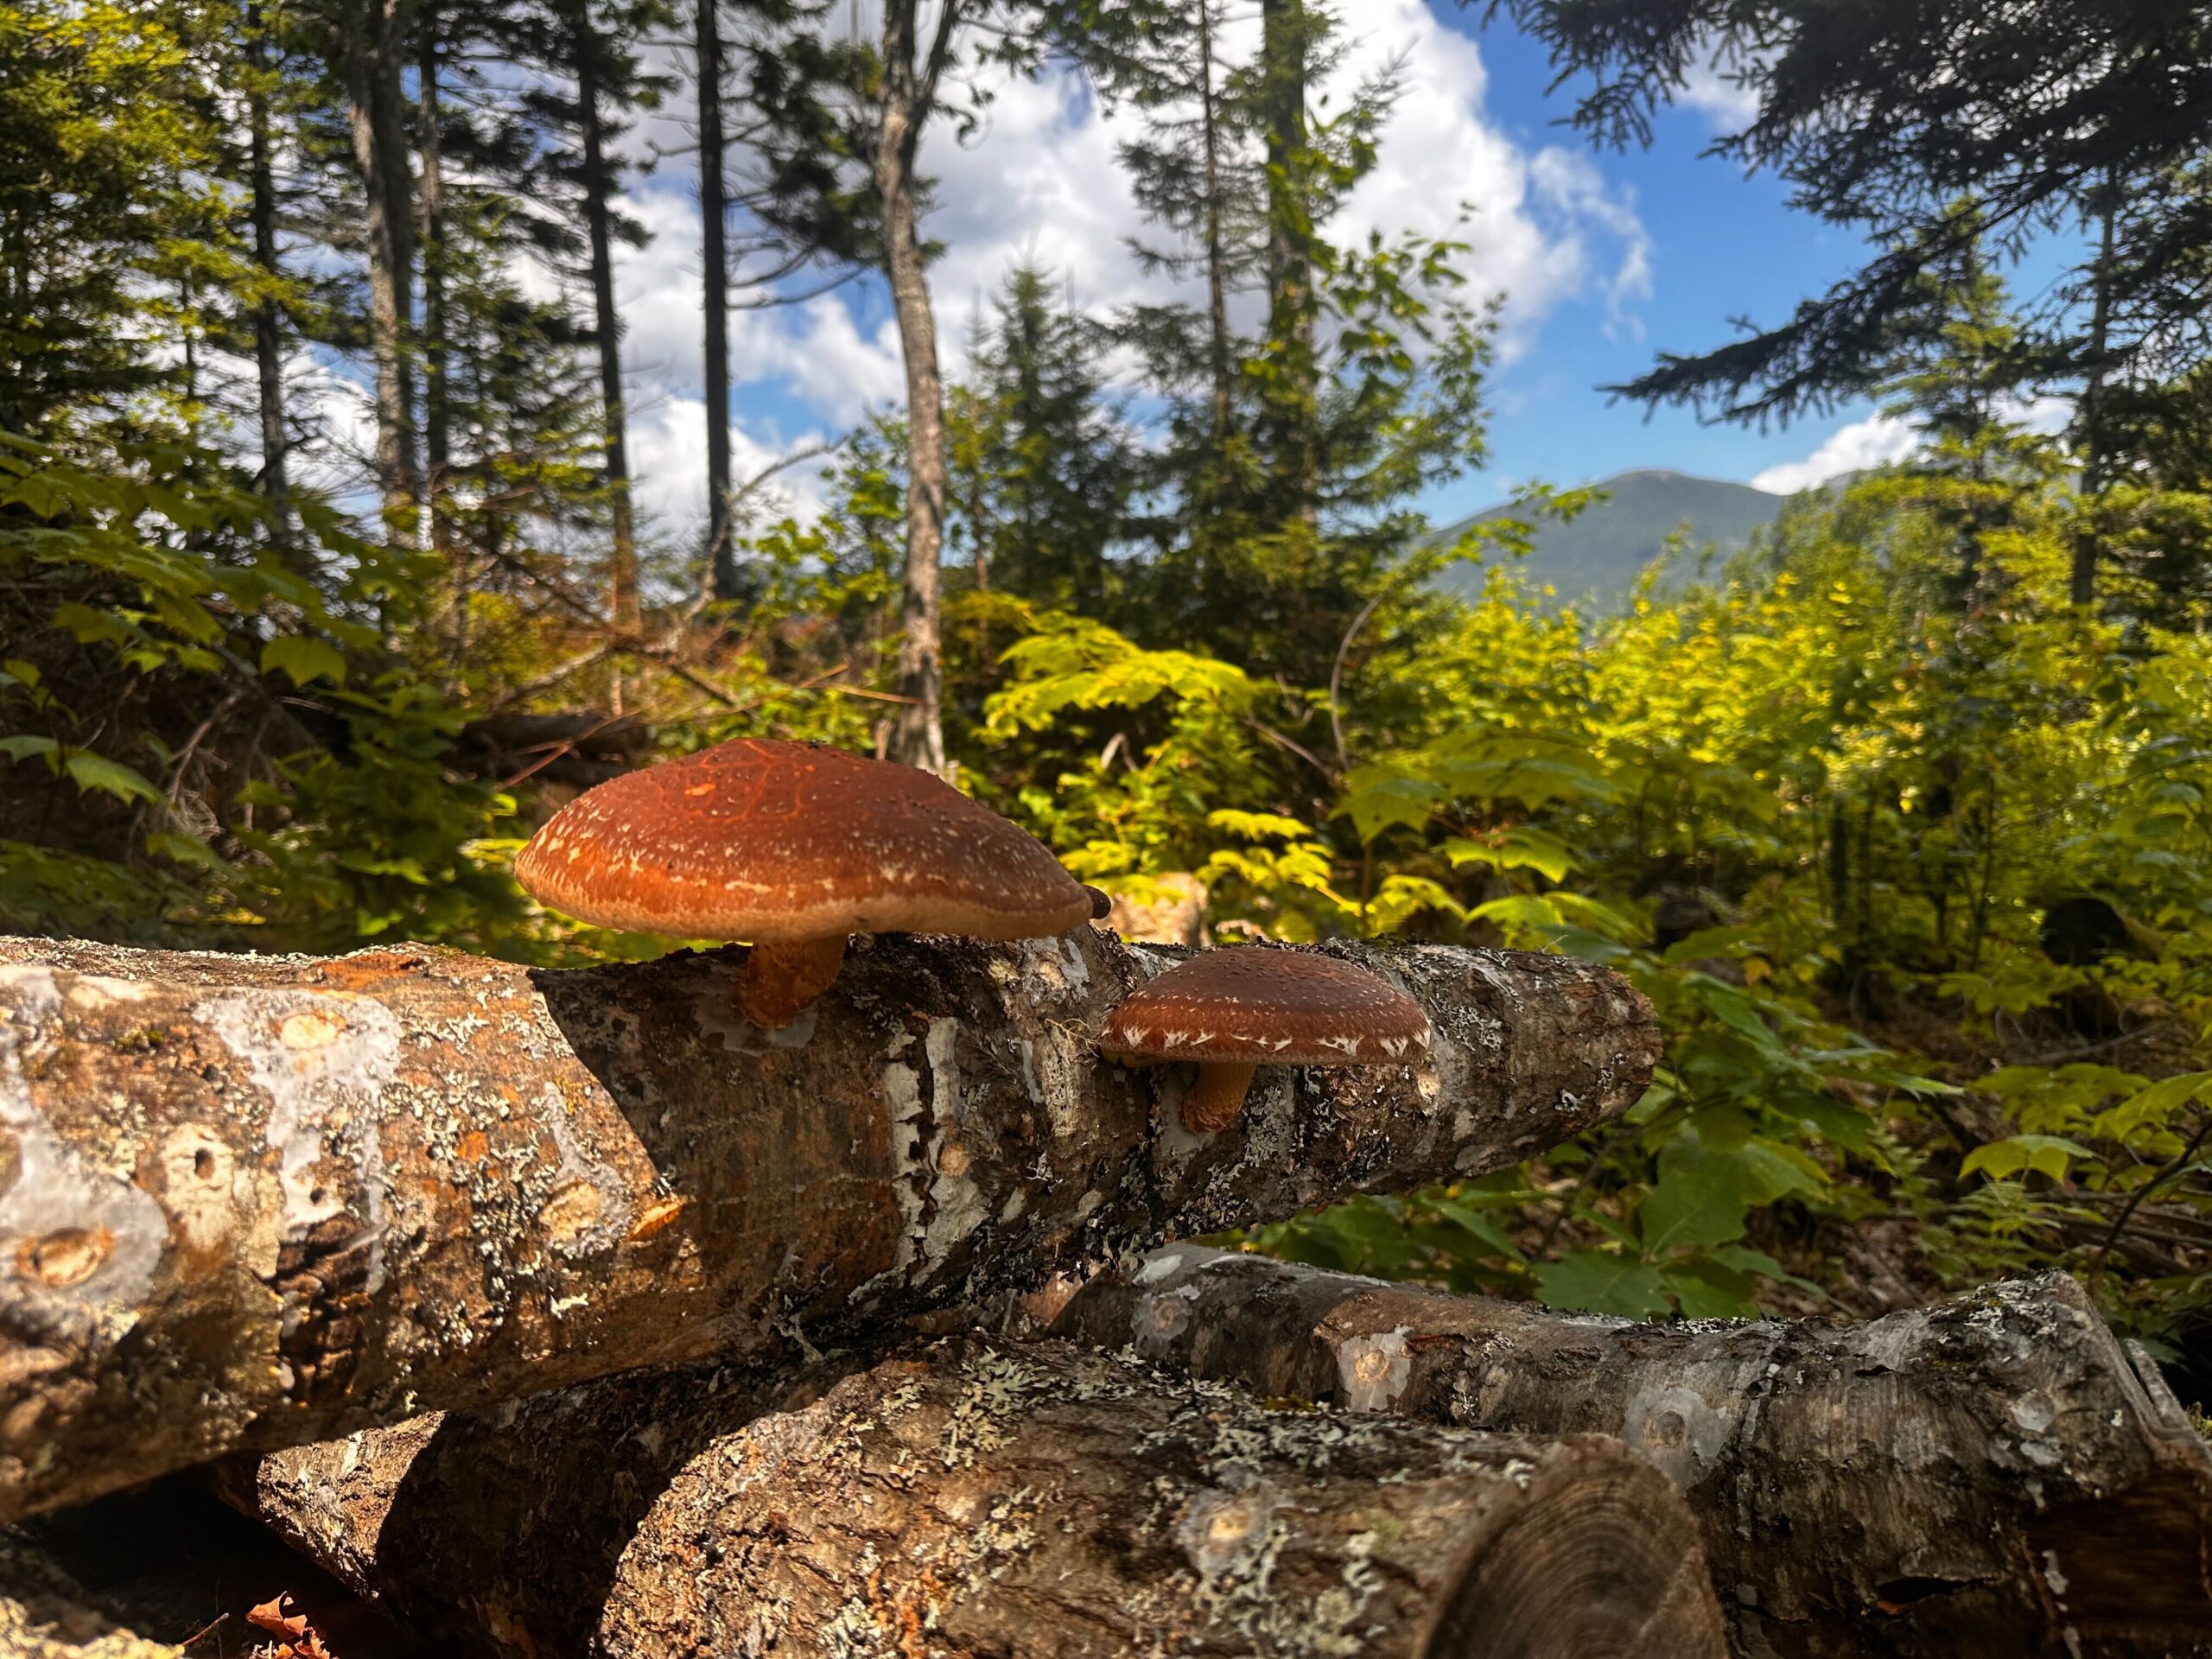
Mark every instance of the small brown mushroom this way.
pixel 795 847
pixel 1233 1010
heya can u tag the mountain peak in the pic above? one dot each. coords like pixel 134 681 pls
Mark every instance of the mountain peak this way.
pixel 1599 553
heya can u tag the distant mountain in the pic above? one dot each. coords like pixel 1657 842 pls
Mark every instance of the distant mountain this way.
pixel 1598 555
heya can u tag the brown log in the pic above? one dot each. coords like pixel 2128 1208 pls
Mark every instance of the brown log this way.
pixel 1994 1475
pixel 253 1202
pixel 46 1614
pixel 982 1497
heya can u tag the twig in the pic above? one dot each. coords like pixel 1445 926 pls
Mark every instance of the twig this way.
pixel 2180 1161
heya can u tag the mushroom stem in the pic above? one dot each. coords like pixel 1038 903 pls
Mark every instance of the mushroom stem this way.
pixel 1216 1099
pixel 780 979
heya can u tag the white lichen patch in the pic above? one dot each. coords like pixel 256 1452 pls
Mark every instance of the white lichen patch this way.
pixel 78 1243
pixel 1677 1428
pixel 1373 1371
pixel 325 1059
pixel 587 1206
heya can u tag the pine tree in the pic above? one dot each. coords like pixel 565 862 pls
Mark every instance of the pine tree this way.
pixel 101 136
pixel 2049 116
pixel 598 49
pixel 1046 485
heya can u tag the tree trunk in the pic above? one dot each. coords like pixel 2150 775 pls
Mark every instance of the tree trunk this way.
pixel 978 1496
pixel 268 324
pixel 46 1614
pixel 1994 1475
pixel 905 111
pixel 253 1202
pixel 437 441
pixel 2083 588
pixel 375 35
pixel 1218 354
pixel 1286 41
pixel 622 572
pixel 714 223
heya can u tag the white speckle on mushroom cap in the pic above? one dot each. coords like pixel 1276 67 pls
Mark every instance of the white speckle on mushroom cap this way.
pixel 1258 1005
pixel 768 841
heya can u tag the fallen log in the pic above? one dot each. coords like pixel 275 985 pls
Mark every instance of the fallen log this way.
pixel 980 1496
pixel 1996 1474
pixel 46 1614
pixel 252 1202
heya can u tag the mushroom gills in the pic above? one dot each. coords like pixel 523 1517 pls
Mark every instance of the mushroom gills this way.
pixel 781 980
pixel 1216 1099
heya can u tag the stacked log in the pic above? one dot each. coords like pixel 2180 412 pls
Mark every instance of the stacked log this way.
pixel 523 1281
pixel 248 1203
pixel 980 1496
pixel 1995 1474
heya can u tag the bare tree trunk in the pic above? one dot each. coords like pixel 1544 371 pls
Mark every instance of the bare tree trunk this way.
pixel 1217 258
pixel 622 573
pixel 2084 587
pixel 907 96
pixel 375 35
pixel 1286 41
pixel 714 223
pixel 256 1201
pixel 436 419
pixel 267 329
pixel 1994 1475
pixel 985 1498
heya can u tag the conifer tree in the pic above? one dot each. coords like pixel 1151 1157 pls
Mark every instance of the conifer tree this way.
pixel 2051 118
pixel 598 49
pixel 1046 483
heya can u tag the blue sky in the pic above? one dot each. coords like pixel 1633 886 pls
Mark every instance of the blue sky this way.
pixel 1603 258
pixel 1721 245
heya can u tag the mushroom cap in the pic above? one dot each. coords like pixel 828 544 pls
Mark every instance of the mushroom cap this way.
pixel 1253 1005
pixel 768 841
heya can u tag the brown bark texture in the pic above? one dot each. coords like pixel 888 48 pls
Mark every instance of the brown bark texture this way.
pixel 983 1498
pixel 46 1614
pixel 1997 1474
pixel 251 1202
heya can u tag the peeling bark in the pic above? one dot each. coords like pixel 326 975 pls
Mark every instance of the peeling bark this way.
pixel 985 1498
pixel 1994 1475
pixel 251 1202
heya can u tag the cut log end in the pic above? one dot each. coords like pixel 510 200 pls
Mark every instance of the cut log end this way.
pixel 978 1496
pixel 1588 1570
pixel 780 982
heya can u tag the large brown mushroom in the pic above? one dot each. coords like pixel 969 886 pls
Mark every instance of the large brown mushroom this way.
pixel 1233 1010
pixel 795 847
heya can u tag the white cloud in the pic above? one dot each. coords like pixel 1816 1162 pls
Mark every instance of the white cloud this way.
pixel 1040 180
pixel 1874 442
pixel 669 444
pixel 1709 89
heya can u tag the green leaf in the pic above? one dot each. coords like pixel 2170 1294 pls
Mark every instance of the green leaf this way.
pixel 1518 849
pixel 303 659
pixel 96 772
pixel 1703 1193
pixel 2048 1154
pixel 1706 1289
pixel 23 747
pixel 1594 1281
